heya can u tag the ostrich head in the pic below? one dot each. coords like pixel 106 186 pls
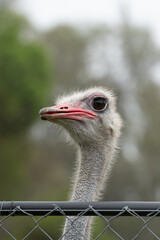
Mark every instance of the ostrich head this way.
pixel 88 115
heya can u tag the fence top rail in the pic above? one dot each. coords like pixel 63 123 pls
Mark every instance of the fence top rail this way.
pixel 107 208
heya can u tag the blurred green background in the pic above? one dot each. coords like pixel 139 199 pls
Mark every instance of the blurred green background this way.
pixel 35 67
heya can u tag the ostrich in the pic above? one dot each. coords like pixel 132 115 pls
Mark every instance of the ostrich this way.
pixel 91 119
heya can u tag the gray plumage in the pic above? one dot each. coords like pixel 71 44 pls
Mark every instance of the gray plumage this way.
pixel 95 133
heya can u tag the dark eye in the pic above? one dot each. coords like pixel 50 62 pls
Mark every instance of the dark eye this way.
pixel 99 103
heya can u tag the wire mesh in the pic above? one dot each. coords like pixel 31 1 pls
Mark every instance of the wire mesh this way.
pixel 117 220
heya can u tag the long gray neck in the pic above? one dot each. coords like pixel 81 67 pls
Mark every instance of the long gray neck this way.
pixel 93 165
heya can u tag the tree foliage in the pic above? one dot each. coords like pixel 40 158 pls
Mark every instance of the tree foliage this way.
pixel 24 74
pixel 67 48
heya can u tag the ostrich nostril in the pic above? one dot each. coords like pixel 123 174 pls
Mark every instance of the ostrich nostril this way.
pixel 64 107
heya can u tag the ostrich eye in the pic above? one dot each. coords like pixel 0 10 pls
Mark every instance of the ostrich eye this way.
pixel 99 103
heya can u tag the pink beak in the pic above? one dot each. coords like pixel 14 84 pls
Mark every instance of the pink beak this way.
pixel 65 111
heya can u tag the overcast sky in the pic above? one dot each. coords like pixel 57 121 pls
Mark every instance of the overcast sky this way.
pixel 46 13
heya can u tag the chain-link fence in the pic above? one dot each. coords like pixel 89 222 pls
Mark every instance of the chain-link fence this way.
pixel 118 220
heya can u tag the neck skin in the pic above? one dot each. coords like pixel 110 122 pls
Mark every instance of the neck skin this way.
pixel 93 165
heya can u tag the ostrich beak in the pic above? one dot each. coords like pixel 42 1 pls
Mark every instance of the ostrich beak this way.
pixel 65 111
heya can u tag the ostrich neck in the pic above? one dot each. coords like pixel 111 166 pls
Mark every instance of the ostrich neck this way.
pixel 93 164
